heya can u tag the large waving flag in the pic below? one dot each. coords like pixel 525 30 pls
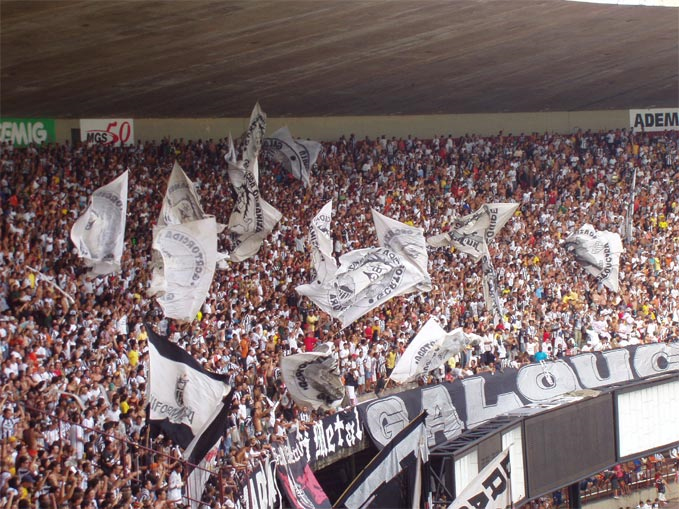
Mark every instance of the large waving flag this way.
pixel 408 241
pixel 189 256
pixel 252 219
pixel 490 489
pixel 99 234
pixel 297 156
pixel 186 402
pixel 369 277
pixel 598 252
pixel 253 140
pixel 429 349
pixel 472 233
pixel 323 262
pixel 313 379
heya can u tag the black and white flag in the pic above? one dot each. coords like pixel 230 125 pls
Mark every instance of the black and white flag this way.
pixel 297 156
pixel 429 349
pixel 472 233
pixel 197 479
pixel 252 219
pixel 490 489
pixel 408 241
pixel 313 379
pixel 369 277
pixel 182 280
pixel 408 449
pixel 252 141
pixel 322 261
pixel 99 234
pixel 598 252
pixel 490 291
pixel 629 214
pixel 186 401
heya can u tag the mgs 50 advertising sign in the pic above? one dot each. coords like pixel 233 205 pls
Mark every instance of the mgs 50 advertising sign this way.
pixel 107 131
pixel 21 132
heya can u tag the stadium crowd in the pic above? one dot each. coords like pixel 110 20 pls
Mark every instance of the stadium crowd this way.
pixel 74 371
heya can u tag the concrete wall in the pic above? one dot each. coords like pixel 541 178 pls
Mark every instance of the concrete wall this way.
pixel 331 128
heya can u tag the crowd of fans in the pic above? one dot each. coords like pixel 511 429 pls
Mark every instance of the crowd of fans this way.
pixel 75 370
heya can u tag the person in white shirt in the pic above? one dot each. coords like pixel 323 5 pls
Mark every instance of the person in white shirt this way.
pixel 175 484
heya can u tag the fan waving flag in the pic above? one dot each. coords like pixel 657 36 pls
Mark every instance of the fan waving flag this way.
pixel 324 264
pixel 297 156
pixel 186 402
pixel 313 379
pixel 189 256
pixel 99 234
pixel 253 140
pixel 429 349
pixel 472 233
pixel 598 252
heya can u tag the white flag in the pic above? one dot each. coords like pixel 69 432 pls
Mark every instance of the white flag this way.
pixel 429 349
pixel 297 156
pixel 252 219
pixel 598 252
pixel 230 156
pixel 195 484
pixel 365 279
pixel 313 379
pixel 253 140
pixel 490 489
pixel 408 241
pixel 322 260
pixel 490 292
pixel 181 203
pixel 189 254
pixel 472 233
pixel 99 234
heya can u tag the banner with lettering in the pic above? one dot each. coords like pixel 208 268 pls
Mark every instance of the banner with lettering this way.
pixel 454 407
pixel 21 132
pixel 107 131
pixel 654 120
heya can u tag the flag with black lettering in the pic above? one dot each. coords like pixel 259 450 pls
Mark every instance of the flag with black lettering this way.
pixel 252 141
pixel 408 241
pixel 189 256
pixel 297 156
pixel 322 261
pixel 407 450
pixel 598 252
pixel 187 403
pixel 428 350
pixel 490 489
pixel 472 233
pixel 313 379
pixel 252 219
pixel 99 234
pixel 490 291
pixel 366 279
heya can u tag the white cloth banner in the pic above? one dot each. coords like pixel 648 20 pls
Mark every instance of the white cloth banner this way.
pixel 472 233
pixel 490 489
pixel 365 279
pixel 253 141
pixel 490 292
pixel 408 241
pixel 99 234
pixel 313 379
pixel 297 156
pixel 252 219
pixel 429 349
pixel 323 262
pixel 195 484
pixel 181 203
pixel 598 252
pixel 189 255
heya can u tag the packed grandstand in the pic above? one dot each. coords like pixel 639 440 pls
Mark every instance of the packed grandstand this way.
pixel 75 349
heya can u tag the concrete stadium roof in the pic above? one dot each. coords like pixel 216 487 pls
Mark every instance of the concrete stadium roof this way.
pixel 300 58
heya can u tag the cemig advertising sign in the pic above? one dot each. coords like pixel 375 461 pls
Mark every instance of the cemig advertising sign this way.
pixel 107 131
pixel 21 132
